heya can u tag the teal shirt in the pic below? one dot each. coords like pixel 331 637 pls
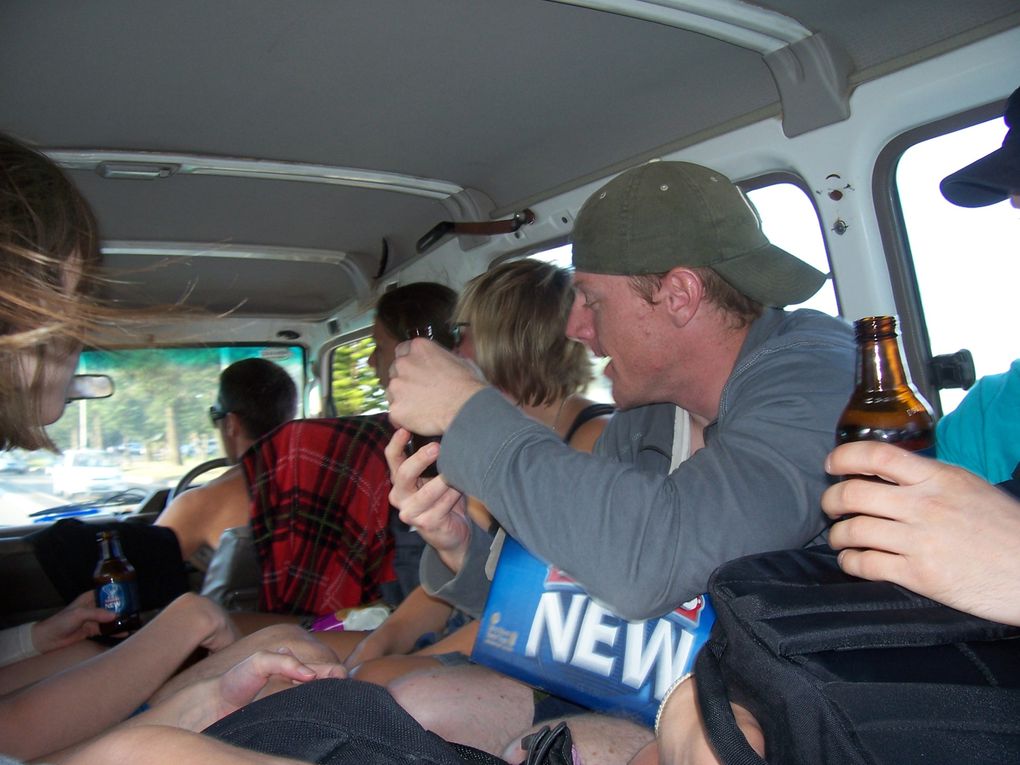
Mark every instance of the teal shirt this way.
pixel 983 433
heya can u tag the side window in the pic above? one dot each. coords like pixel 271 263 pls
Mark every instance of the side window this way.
pixel 965 259
pixel 354 388
pixel 790 221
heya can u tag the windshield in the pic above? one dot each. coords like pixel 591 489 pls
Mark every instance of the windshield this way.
pixel 146 436
pixel 90 459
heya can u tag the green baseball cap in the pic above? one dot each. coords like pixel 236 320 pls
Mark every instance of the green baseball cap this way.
pixel 661 215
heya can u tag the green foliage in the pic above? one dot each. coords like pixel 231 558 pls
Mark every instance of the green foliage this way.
pixel 161 396
pixel 355 388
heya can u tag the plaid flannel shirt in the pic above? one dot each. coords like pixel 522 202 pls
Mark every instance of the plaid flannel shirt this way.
pixel 320 512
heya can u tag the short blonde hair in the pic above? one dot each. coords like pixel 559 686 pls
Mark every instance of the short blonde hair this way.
pixel 517 313
pixel 49 257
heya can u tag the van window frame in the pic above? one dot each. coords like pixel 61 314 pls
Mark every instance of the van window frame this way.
pixel 915 341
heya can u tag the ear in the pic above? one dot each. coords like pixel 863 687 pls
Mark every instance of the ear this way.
pixel 232 427
pixel 681 294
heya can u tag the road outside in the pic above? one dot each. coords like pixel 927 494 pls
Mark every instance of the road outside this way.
pixel 22 494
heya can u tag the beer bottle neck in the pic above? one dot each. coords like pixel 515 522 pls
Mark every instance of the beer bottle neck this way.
pixel 109 546
pixel 879 365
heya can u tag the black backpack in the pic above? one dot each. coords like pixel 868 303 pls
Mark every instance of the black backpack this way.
pixel 348 722
pixel 842 670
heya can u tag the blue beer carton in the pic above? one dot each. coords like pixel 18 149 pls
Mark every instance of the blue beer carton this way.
pixel 539 626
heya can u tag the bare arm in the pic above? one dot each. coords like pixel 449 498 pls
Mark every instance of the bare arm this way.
pixel 682 739
pixel 159 745
pixel 47 716
pixel 200 515
pixel 142 739
pixel 418 615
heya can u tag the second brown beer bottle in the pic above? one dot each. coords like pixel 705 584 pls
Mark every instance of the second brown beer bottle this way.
pixel 884 405
pixel 116 586
pixel 417 441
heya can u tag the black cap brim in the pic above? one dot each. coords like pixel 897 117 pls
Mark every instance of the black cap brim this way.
pixel 987 181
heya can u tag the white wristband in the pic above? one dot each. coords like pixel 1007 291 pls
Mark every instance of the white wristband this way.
pixel 16 644
pixel 669 692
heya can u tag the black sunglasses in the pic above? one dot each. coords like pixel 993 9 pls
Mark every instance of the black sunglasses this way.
pixel 216 414
pixel 457 332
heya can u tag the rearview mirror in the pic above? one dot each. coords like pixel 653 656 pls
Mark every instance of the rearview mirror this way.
pixel 89 386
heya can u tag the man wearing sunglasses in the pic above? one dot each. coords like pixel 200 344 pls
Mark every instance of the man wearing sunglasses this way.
pixel 255 397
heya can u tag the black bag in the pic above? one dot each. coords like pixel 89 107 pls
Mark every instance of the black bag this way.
pixel 68 552
pixel 339 722
pixel 347 722
pixel 842 670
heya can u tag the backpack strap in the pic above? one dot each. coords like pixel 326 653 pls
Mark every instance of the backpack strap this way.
pixel 726 738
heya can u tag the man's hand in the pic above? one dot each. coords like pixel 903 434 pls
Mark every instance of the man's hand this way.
pixel 936 529
pixel 433 507
pixel 78 620
pixel 372 646
pixel 428 386
pixel 197 706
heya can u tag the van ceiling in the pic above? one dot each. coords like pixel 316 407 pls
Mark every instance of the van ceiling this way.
pixel 502 102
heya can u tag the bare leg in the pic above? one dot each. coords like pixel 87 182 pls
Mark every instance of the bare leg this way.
pixel 248 622
pixel 291 637
pixel 387 669
pixel 469 705
pixel 340 642
pixel 28 671
pixel 649 755
pixel 599 740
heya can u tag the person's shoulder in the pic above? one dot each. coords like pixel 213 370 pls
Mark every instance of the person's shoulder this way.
pixel 595 418
pixel 227 481
pixel 806 330
pixel 641 424
pixel 223 488
pixel 806 323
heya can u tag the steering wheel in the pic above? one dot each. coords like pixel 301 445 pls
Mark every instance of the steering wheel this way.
pixel 189 478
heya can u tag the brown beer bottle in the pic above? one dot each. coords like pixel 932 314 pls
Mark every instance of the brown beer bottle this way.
pixel 116 586
pixel 884 405
pixel 417 441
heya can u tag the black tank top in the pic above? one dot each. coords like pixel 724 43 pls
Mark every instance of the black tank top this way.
pixel 590 412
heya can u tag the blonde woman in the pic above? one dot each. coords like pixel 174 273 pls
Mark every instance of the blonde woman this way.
pixel 511 322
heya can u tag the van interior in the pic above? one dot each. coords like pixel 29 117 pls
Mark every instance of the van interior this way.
pixel 263 171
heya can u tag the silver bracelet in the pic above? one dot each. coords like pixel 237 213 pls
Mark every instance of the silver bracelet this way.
pixel 669 692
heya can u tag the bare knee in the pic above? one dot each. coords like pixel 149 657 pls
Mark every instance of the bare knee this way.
pixel 469 705
pixel 388 669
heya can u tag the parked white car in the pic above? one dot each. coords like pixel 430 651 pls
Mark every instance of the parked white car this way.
pixel 86 471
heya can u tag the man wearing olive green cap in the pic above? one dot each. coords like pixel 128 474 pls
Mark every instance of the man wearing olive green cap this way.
pixel 729 405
